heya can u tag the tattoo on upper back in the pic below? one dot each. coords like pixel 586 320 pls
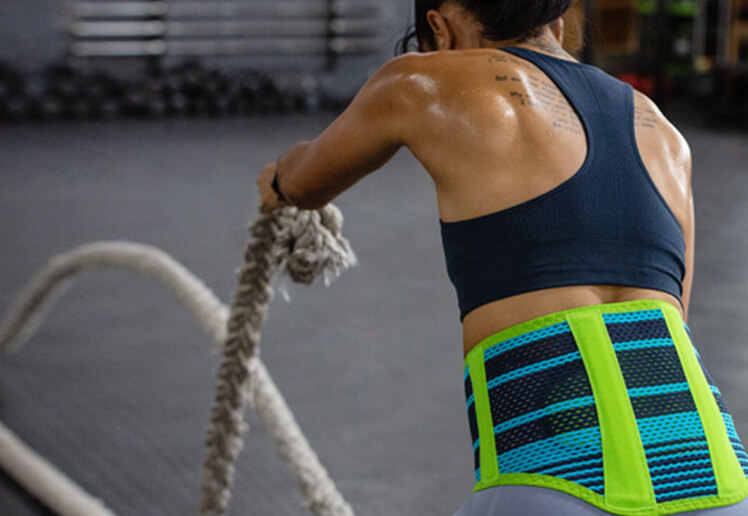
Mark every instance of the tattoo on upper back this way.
pixel 542 94
pixel 530 89
pixel 533 92
pixel 514 60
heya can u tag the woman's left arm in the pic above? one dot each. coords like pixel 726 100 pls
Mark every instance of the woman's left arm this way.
pixel 378 122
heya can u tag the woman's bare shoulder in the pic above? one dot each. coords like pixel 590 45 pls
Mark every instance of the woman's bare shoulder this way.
pixel 649 121
pixel 407 82
pixel 422 90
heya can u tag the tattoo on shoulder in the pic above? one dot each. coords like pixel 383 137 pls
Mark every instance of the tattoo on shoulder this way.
pixel 645 117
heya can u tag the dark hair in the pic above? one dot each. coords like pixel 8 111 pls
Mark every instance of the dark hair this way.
pixel 501 19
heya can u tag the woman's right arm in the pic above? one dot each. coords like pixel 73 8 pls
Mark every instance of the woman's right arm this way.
pixel 384 116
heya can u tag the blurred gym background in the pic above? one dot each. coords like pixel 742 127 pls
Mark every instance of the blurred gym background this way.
pixel 155 58
pixel 150 121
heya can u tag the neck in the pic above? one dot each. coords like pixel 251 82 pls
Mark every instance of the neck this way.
pixel 544 42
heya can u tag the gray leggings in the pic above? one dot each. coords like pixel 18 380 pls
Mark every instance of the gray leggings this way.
pixel 541 501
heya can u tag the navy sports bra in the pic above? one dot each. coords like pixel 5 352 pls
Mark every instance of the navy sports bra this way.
pixel 606 225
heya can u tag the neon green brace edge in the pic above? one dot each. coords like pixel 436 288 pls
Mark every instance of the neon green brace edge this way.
pixel 727 470
pixel 627 482
pixel 489 465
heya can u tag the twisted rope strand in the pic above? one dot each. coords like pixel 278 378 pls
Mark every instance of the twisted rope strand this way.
pixel 302 245
pixel 224 438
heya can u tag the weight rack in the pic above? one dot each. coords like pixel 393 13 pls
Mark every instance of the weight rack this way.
pixel 188 28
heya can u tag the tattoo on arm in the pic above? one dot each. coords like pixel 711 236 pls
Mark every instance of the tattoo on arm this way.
pixel 645 117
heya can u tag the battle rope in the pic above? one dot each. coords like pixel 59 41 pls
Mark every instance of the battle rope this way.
pixel 298 244
pixel 303 245
pixel 43 481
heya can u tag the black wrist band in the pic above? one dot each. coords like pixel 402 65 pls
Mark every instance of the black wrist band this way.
pixel 276 188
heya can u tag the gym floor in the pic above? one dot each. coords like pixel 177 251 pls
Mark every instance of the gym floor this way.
pixel 116 387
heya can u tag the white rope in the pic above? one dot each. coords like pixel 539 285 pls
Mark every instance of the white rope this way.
pixel 43 481
pixel 293 243
pixel 29 309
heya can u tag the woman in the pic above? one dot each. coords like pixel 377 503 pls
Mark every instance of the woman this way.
pixel 567 221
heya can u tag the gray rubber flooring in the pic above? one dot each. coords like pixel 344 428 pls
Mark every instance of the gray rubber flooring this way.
pixel 116 388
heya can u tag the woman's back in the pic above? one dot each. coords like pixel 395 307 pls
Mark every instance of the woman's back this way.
pixel 497 131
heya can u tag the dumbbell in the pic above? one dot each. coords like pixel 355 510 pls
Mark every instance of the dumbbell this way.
pixel 17 107
pixel 50 107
